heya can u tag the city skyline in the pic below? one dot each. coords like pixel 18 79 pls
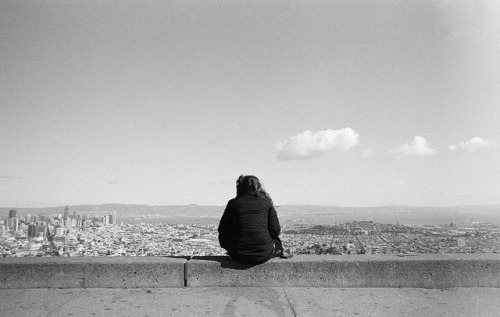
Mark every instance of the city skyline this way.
pixel 346 103
pixel 60 236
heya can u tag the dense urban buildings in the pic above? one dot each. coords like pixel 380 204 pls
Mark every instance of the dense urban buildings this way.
pixel 82 235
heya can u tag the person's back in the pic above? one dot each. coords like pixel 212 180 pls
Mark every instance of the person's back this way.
pixel 248 229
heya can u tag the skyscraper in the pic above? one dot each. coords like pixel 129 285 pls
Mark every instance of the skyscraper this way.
pixel 41 231
pixel 31 231
pixel 12 213
pixel 15 224
pixel 66 212
pixel 59 231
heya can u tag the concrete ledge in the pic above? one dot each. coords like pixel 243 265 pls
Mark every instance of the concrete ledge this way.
pixel 374 271
pixel 91 272
pixel 422 271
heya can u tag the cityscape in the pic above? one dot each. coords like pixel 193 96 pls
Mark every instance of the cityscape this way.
pixel 72 234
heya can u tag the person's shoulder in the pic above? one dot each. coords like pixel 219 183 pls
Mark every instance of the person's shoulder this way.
pixel 236 201
pixel 240 200
pixel 264 200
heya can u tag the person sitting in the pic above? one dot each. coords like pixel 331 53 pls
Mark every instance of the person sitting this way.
pixel 249 228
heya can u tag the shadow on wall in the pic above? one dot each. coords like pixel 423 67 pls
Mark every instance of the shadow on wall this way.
pixel 225 261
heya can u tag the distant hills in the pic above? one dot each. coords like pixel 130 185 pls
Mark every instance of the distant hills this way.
pixel 312 209
pixel 124 210
pixel 134 210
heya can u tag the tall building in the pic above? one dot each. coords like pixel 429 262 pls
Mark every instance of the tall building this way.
pixel 12 224
pixel 59 231
pixel 41 231
pixel 15 224
pixel 31 231
pixel 66 212
pixel 112 218
pixel 12 213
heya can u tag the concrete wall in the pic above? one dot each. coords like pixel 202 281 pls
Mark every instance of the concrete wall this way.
pixel 91 272
pixel 423 271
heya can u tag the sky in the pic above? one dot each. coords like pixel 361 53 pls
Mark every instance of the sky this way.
pixel 345 103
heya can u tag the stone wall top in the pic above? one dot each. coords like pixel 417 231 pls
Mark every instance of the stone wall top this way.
pixel 422 271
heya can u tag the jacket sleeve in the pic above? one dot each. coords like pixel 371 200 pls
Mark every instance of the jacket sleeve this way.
pixel 273 224
pixel 225 226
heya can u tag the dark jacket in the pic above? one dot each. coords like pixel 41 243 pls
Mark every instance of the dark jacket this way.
pixel 247 229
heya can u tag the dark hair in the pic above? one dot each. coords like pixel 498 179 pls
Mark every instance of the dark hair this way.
pixel 250 185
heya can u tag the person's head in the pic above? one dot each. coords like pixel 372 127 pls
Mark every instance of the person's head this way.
pixel 250 185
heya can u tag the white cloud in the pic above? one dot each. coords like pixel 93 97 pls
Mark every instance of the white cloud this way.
pixel 418 147
pixel 308 144
pixel 472 145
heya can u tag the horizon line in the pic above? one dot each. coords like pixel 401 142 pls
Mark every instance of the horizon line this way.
pixel 277 206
